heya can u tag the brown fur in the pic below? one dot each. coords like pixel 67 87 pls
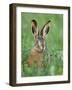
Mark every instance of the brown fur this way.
pixel 35 58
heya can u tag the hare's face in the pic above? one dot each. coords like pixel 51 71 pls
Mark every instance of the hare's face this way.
pixel 40 36
pixel 40 43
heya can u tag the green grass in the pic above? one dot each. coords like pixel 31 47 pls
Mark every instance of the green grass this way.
pixel 53 55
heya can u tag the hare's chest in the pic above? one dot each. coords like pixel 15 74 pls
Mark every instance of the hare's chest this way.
pixel 35 58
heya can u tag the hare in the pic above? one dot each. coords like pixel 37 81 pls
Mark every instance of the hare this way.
pixel 36 55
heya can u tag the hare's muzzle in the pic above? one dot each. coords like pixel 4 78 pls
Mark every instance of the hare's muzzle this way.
pixel 41 43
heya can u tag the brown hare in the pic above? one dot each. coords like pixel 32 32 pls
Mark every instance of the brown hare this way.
pixel 36 55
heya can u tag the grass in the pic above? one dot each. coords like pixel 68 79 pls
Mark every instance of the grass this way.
pixel 53 55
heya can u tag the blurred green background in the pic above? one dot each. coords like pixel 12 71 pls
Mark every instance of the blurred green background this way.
pixel 54 43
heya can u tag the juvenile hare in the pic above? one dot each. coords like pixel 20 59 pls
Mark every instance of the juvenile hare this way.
pixel 36 56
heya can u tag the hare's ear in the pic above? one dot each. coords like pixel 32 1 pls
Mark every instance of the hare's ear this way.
pixel 34 27
pixel 45 29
